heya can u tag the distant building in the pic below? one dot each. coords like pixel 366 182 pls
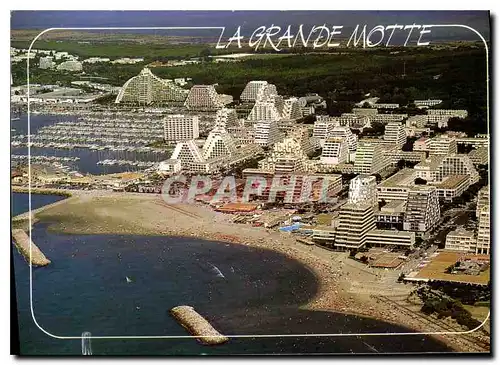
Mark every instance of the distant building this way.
pixel 461 240
pixel 178 128
pixel 395 133
pixel 355 221
pixel 335 151
pixel 147 88
pixel 291 109
pixel 427 102
pixel 442 145
pixel 483 233
pixel 422 210
pixel 422 144
pixel 46 63
pixel 203 98
pixel 483 200
pixel 363 189
pixel 266 133
pixel 252 89
pixel 479 156
pixel 73 66
pixel 218 143
pixel 226 118
pixel 457 164
pixel 370 158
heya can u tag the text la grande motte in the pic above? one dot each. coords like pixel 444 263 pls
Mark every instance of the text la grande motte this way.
pixel 325 36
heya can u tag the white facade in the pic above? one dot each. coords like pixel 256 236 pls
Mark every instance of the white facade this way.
pixel 335 151
pixel 219 143
pixel 363 189
pixel 147 88
pixel 461 240
pixel 422 210
pixel 370 158
pixel 226 118
pixel 483 233
pixel 442 145
pixel 351 138
pixel 252 89
pixel 395 133
pixel 178 128
pixel 266 133
pixel 291 109
pixel 355 221
pixel 203 97
pixel 457 165
pixel 46 62
pixel 70 66
pixel 422 144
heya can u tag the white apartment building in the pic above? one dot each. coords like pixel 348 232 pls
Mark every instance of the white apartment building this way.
pixel 458 113
pixel 483 232
pixel 252 89
pixel 203 97
pixel 483 200
pixel 178 128
pixel 147 88
pixel 422 209
pixel 363 189
pixel 456 164
pixel 291 109
pixel 358 121
pixel 442 145
pixel 365 111
pixel 226 118
pixel 395 133
pixel 266 110
pixel 479 156
pixel 323 129
pixel 169 166
pixel 390 238
pixel 218 143
pixel 335 151
pixel 387 118
pixel 355 221
pixel 427 102
pixel 385 106
pixel 187 152
pixel 351 138
pixel 46 63
pixel 418 121
pixel 370 158
pixel 266 133
pixel 70 66
pixel 422 144
pixel 396 187
pixel 461 240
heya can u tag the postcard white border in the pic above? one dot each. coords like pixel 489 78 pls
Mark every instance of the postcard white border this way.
pixel 231 336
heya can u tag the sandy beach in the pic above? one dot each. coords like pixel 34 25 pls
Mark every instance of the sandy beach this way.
pixel 345 285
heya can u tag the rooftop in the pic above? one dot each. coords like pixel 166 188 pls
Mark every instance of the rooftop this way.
pixel 404 177
pixel 452 181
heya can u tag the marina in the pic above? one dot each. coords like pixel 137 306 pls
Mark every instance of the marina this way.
pixel 91 143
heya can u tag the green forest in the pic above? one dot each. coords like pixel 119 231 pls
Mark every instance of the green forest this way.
pixel 399 75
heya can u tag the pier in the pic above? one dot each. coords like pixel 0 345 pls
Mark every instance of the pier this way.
pixel 197 325
pixel 23 242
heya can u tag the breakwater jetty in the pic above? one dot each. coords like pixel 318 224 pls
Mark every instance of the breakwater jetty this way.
pixel 22 242
pixel 197 325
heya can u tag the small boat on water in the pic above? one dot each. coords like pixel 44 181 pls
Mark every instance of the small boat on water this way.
pixel 128 279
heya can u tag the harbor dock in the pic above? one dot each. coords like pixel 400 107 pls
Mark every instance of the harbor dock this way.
pixel 22 242
pixel 197 325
